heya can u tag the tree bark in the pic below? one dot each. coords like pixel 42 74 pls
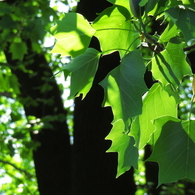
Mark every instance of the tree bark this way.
pixel 151 172
pixel 41 98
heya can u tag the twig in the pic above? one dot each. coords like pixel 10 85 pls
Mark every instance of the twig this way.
pixel 4 64
pixel 17 168
pixel 6 94
pixel 189 48
pixel 21 181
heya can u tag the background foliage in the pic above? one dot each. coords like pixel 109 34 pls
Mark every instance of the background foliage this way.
pixel 159 42
pixel 21 20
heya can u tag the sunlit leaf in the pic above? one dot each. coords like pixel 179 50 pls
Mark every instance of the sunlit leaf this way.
pixel 186 1
pixel 174 150
pixel 153 7
pixel 157 103
pixel 124 145
pixel 83 69
pixel 170 31
pixel 189 3
pixel 184 19
pixel 114 24
pixel 123 3
pixel 170 65
pixel 73 34
pixel 124 87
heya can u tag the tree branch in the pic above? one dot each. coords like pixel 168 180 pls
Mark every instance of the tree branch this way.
pixel 21 181
pixel 17 168
pixel 189 48
pixel 6 94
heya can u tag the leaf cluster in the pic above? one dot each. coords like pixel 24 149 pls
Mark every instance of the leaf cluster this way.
pixel 141 116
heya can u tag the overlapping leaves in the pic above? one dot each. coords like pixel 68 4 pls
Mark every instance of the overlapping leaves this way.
pixel 184 19
pixel 174 149
pixel 142 127
pixel 124 145
pixel 83 69
pixel 73 34
pixel 115 31
pixel 153 6
pixel 124 87
pixel 170 66
pixel 123 3
pixel 170 32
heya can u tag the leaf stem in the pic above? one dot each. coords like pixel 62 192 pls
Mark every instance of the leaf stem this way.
pixel 138 30
pixel 116 29
pixel 142 25
pixel 117 49
pixel 189 48
pixel 149 37
pixel 131 45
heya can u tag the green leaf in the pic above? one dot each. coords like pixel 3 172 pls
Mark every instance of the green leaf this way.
pixel 124 87
pixel 7 22
pixel 123 3
pixel 185 1
pixel 15 116
pixel 19 135
pixel 73 34
pixel 13 81
pixel 5 9
pixel 189 3
pixel 11 148
pixel 170 65
pixel 83 69
pixel 124 145
pixel 157 103
pixel 170 32
pixel 114 24
pixel 184 19
pixel 143 2
pixel 174 150
pixel 153 7
pixel 18 50
pixel 3 82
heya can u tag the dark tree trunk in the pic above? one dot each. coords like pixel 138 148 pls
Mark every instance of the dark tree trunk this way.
pixel 42 98
pixel 94 169
pixel 151 174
